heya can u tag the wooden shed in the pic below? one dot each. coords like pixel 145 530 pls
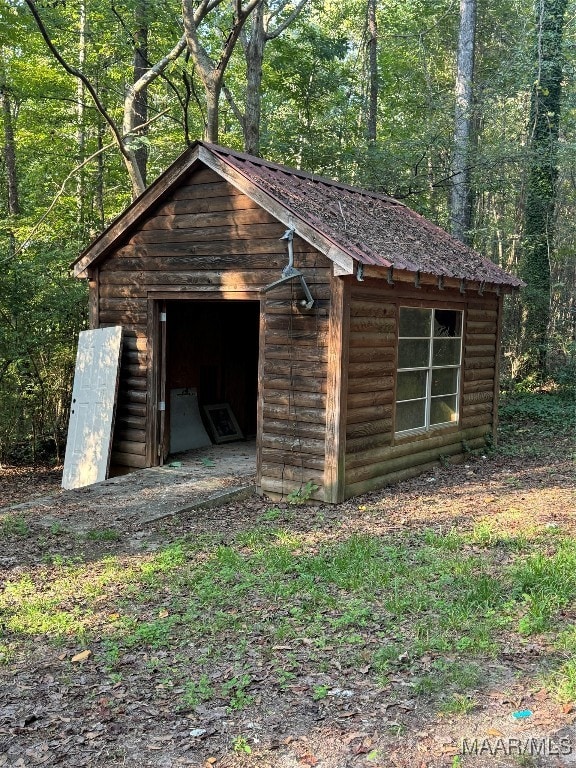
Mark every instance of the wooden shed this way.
pixel 393 368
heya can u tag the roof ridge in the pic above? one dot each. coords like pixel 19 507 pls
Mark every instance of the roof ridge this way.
pixel 279 167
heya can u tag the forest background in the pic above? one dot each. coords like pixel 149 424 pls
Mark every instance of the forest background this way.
pixel 465 110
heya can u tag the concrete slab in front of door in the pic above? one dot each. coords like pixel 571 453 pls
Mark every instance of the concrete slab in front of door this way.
pixel 204 478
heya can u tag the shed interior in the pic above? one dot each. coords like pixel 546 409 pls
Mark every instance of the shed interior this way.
pixel 212 347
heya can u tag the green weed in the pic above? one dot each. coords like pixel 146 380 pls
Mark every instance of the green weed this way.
pixel 103 534
pixel 14 525
pixel 235 691
pixel 56 529
pixel 271 514
pixel 241 746
pixel 303 494
pixel 457 704
pixel 197 691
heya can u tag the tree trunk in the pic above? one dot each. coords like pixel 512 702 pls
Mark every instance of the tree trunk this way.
pixel 141 66
pixel 213 88
pixel 80 127
pixel 9 153
pixel 540 203
pixel 254 55
pixel 460 208
pixel 211 71
pixel 372 46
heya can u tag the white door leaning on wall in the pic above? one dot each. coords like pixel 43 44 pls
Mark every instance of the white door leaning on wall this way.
pixel 93 406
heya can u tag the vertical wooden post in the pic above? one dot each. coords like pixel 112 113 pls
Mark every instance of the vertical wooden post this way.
pixel 93 299
pixel 152 378
pixel 337 384
pixel 498 353
pixel 260 400
pixel 164 437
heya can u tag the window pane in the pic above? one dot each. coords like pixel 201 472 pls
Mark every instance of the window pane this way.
pixel 410 415
pixel 411 385
pixel 444 381
pixel 413 353
pixel 446 352
pixel 443 410
pixel 415 322
pixel 447 322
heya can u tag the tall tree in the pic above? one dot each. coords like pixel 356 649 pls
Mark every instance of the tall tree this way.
pixel 9 153
pixel 211 69
pixel 539 212
pixel 460 208
pixel 267 22
pixel 125 138
pixel 141 66
pixel 372 46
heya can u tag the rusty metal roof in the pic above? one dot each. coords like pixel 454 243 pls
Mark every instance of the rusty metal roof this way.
pixel 374 229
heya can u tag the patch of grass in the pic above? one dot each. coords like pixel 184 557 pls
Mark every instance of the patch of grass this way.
pixel 7 653
pixel 103 534
pixel 61 561
pixel 56 529
pixel 379 602
pixel 545 582
pixel 452 677
pixel 157 633
pixel 197 691
pixel 14 525
pixel 457 704
pixel 274 513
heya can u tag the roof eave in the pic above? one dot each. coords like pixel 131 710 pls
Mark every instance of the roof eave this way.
pixel 422 279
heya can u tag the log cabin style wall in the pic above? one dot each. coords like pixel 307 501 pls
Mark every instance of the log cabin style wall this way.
pixel 375 457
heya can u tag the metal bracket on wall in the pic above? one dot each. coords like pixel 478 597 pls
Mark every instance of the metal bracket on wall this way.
pixel 289 272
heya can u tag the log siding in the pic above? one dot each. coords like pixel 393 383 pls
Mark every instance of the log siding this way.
pixel 375 457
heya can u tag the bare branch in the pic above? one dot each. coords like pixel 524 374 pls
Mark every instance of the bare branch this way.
pixel 233 105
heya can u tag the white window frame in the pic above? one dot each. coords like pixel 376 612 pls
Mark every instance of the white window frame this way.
pixel 429 368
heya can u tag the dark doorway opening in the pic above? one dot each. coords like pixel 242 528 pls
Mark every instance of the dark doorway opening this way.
pixel 212 350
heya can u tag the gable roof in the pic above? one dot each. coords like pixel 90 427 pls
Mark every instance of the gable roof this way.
pixel 351 226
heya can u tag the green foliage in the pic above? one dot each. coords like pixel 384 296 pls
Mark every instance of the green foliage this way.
pixel 302 494
pixel 197 691
pixel 14 525
pixel 103 534
pixel 555 414
pixel 241 746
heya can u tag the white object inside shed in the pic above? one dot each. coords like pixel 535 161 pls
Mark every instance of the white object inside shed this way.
pixel 93 407
pixel 186 428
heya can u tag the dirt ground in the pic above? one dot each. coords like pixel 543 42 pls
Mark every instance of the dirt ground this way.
pixel 57 712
